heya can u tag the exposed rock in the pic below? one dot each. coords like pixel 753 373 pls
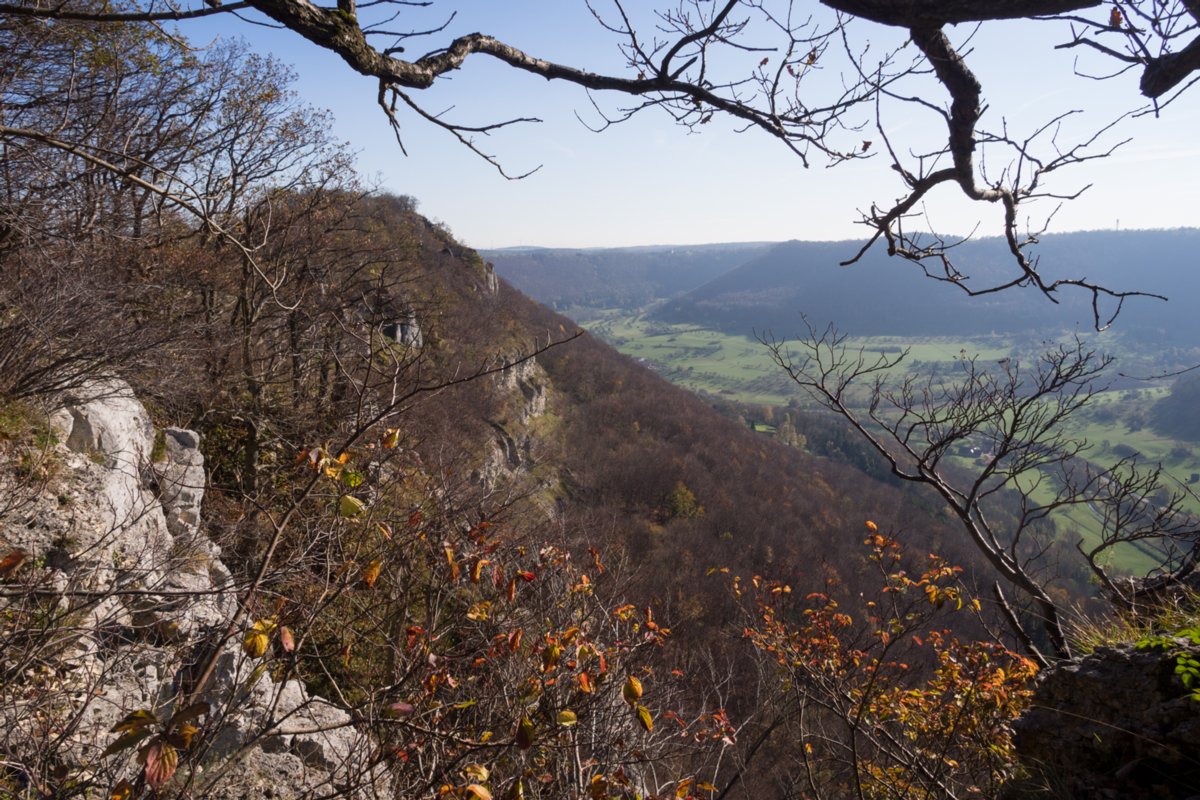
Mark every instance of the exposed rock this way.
pixel 491 283
pixel 405 331
pixel 1117 723
pixel 144 597
pixel 526 383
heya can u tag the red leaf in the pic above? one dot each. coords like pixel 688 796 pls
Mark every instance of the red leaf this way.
pixel 161 760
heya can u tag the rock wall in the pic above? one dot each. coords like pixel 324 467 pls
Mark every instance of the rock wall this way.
pixel 1118 723
pixel 135 596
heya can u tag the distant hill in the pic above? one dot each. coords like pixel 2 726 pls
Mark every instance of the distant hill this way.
pixel 882 295
pixel 626 277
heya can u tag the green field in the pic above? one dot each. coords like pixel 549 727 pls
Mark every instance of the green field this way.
pixel 740 368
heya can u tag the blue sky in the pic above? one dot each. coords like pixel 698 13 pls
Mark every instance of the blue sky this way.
pixel 649 182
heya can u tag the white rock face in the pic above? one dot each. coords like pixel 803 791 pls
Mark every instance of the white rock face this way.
pixel 143 597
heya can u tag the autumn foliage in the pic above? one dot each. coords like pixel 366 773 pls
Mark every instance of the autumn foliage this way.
pixel 888 701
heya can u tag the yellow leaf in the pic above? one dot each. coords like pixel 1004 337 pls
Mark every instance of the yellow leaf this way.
pixel 645 718
pixel 182 737
pixel 351 506
pixel 391 438
pixel 122 791
pixel 477 792
pixel 476 772
pixel 479 611
pixel 632 690
pixel 567 718
pixel 134 720
pixel 254 643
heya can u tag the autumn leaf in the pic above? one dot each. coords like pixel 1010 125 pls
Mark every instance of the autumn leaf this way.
pixel 585 683
pixel 401 709
pixel 645 718
pixel 122 791
pixel 161 760
pixel 476 772
pixel 125 741
pixel 632 690
pixel 287 639
pixel 479 611
pixel 566 718
pixel 189 713
pixel 183 735
pixel 550 657
pixel 11 563
pixel 351 507
pixel 1114 18
pixel 370 573
pixel 134 720
pixel 871 526
pixel 391 438
pixel 526 733
pixel 257 639
pixel 477 792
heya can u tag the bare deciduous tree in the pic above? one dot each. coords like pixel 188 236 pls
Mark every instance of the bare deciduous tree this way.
pixel 1013 421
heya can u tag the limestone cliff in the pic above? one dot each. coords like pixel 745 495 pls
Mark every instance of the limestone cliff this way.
pixel 132 596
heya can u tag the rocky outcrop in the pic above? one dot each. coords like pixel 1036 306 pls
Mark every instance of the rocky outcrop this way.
pixel 405 330
pixel 525 383
pixel 523 388
pixel 1118 723
pixel 134 596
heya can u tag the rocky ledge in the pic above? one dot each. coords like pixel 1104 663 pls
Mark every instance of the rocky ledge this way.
pixel 133 595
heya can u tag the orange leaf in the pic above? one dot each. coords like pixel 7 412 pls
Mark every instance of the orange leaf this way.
pixel 370 573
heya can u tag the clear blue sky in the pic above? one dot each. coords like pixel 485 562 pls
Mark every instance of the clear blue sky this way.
pixel 649 182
